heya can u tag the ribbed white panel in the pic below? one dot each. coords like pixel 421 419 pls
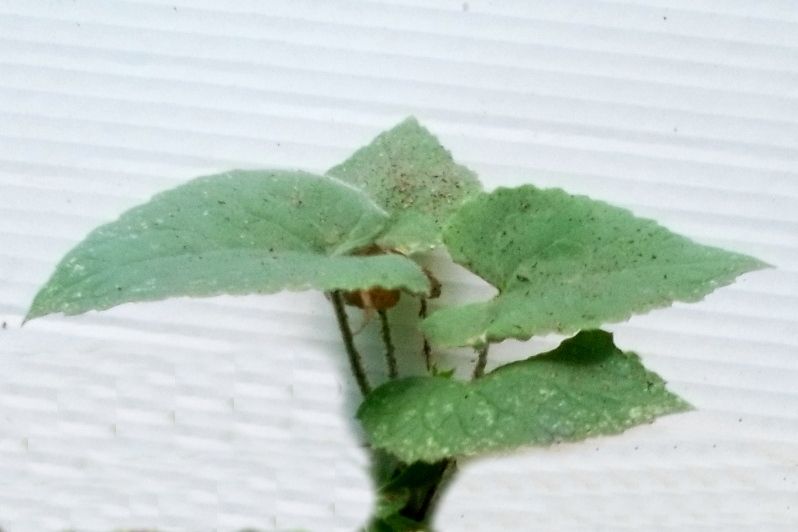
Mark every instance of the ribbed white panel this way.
pixel 220 414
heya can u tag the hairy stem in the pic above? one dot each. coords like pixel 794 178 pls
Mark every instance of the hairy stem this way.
pixel 427 350
pixel 390 351
pixel 482 361
pixel 355 361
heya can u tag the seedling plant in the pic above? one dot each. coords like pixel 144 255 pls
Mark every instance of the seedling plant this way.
pixel 560 263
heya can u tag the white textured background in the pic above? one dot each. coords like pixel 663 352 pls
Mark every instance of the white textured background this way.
pixel 200 415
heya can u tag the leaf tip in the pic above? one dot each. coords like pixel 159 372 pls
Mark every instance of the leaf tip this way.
pixel 36 310
pixel 683 406
pixel 755 264
pixel 410 120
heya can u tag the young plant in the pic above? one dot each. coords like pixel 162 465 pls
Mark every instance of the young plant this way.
pixel 561 264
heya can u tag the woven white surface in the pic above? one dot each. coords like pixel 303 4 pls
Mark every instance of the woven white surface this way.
pixel 218 414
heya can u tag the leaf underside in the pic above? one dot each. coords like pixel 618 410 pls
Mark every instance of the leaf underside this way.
pixel 563 263
pixel 407 172
pixel 586 387
pixel 240 232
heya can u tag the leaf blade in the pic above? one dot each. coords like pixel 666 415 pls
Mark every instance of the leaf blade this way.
pixel 586 387
pixel 564 263
pixel 415 179
pixel 236 233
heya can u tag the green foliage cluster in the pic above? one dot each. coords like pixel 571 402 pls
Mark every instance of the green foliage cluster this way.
pixel 560 264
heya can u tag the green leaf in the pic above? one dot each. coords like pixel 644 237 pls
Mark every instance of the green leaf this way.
pixel 563 263
pixel 586 387
pixel 415 179
pixel 239 232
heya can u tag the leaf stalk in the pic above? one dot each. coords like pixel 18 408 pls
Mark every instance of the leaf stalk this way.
pixel 482 361
pixel 355 360
pixel 390 350
pixel 426 348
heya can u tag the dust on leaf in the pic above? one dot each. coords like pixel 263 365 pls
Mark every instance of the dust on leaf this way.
pixel 563 263
pixel 240 232
pixel 407 172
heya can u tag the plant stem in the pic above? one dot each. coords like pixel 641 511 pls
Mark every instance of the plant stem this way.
pixel 482 361
pixel 427 350
pixel 390 353
pixel 355 361
pixel 434 494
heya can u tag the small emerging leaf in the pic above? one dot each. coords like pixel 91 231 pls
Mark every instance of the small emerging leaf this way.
pixel 586 387
pixel 240 232
pixel 564 263
pixel 415 179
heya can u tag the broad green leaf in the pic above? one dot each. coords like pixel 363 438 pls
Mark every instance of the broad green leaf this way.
pixel 563 263
pixel 415 179
pixel 240 232
pixel 586 387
